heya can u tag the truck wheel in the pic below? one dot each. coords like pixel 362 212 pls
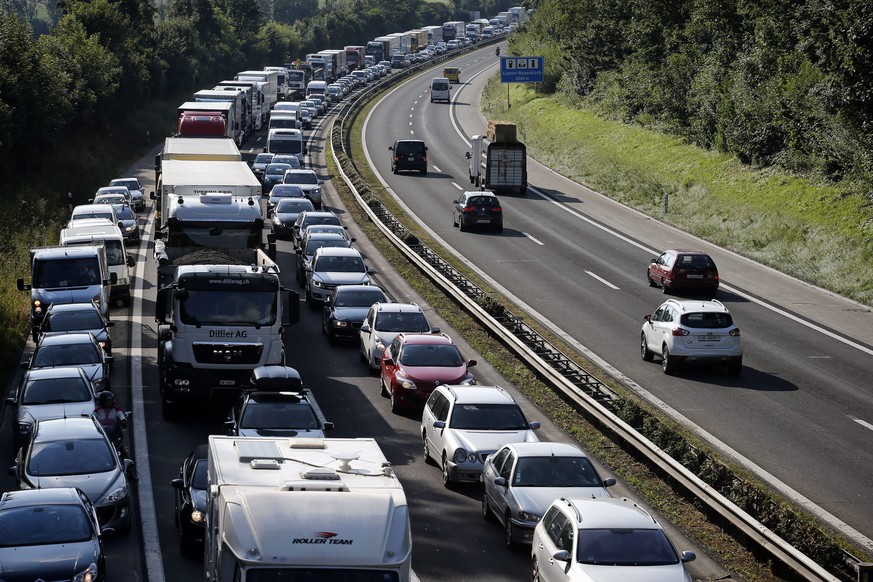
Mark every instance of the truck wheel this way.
pixel 126 301
pixel 35 334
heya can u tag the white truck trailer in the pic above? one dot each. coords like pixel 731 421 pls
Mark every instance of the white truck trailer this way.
pixel 268 80
pixel 298 508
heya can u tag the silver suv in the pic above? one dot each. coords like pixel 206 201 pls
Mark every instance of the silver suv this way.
pixel 332 267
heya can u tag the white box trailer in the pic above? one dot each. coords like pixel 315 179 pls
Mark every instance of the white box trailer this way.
pixel 320 508
pixel 186 177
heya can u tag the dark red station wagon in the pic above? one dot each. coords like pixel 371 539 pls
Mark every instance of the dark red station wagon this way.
pixel 683 270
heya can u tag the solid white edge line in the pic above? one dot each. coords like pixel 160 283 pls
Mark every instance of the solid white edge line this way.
pixel 147 512
pixel 863 423
pixel 602 280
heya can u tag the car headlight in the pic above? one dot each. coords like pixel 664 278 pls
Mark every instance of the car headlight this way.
pixel 527 516
pixel 115 495
pixel 380 345
pixel 98 384
pixel 24 428
pixel 87 575
pixel 315 191
pixel 38 306
pixel 462 456
pixel 340 323
pixel 317 283
pixel 405 382
pixel 198 516
pixel 130 228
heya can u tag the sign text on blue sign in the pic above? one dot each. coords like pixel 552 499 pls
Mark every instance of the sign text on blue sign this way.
pixel 521 69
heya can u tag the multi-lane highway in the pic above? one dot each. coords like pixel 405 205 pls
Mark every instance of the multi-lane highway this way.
pixel 801 413
pixel 794 412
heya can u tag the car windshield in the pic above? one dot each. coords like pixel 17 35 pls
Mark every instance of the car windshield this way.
pixel 555 472
pixel 37 525
pixel 289 205
pixel 339 265
pixel 310 220
pixel 263 158
pixel 131 184
pixel 487 417
pixel 286 191
pixel 444 356
pixel 66 355
pixel 55 391
pixel 66 273
pixel 706 320
pixel 279 415
pixel 73 321
pixel 301 178
pixel 71 457
pixel 395 322
pixel 315 244
pixel 291 160
pixel 625 547
pixel 229 307
pixel 358 297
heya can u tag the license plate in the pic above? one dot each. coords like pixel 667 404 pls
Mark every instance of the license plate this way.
pixel 411 158
pixel 708 338
pixel 227 382
pixel 695 276
pixel 483 221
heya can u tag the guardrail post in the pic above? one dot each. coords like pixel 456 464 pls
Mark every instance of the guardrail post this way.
pixel 865 571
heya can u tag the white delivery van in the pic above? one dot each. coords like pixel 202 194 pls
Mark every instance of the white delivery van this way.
pixel 286 141
pixel 440 90
pixel 316 88
pixel 284 120
pixel 92 231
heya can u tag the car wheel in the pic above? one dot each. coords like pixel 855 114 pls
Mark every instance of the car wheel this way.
pixel 383 389
pixel 486 509
pixel 187 546
pixel 508 539
pixel 297 274
pixel 394 169
pixel 735 366
pixel 447 479
pixel 651 281
pixel 534 570
pixel 126 301
pixel 454 220
pixel 424 453
pixel 362 355
pixel 645 352
pixel 424 172
pixel 499 228
pixel 461 226
pixel 665 289
pixel 668 363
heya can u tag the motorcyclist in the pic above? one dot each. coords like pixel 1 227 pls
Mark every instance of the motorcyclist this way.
pixel 113 420
pixel 497 51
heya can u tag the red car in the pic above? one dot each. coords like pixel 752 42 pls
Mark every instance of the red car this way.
pixel 414 364
pixel 682 270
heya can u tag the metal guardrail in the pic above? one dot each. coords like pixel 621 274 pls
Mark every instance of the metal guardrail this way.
pixel 558 369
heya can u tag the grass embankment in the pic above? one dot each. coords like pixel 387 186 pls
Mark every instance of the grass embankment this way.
pixel 819 232
pixel 34 204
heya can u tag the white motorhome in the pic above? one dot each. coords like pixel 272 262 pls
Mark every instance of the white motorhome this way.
pixel 99 230
pixel 297 505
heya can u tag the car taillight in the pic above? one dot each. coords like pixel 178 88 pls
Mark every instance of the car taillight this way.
pixel 735 332
pixel 678 331
pixel 496 209
pixel 469 208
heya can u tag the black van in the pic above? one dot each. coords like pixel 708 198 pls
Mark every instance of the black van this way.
pixel 408 154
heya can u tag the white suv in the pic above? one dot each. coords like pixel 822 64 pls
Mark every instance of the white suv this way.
pixel 699 330
pixel 603 538
pixel 382 324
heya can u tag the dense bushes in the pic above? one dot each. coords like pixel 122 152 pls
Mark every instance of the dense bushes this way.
pixel 773 82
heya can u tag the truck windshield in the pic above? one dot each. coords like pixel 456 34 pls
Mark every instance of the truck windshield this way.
pixel 286 146
pixel 231 307
pixel 322 575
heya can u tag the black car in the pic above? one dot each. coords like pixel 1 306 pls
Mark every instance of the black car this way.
pixel 345 309
pixel 273 174
pixel 276 405
pixel 50 534
pixel 281 191
pixel 191 489
pixel 261 161
pixel 408 154
pixel 477 209
pixel 285 214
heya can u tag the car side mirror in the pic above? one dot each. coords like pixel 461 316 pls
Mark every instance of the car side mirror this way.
pixel 391 148
pixel 439 424
pixel 131 262
pixel 13 471
pixel 535 425
pixel 647 318
pixel 500 481
pixel 110 324
pixel 327 426
pixel 471 363
pixel 365 328
pixel 653 261
pixel 468 155
pixel 688 556
pixel 24 365
pixel 561 556
pixel 177 484
pixel 388 361
pixel 152 194
pixel 10 401
pixel 434 329
pixel 609 482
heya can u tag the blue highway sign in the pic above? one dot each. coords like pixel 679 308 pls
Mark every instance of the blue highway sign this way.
pixel 521 69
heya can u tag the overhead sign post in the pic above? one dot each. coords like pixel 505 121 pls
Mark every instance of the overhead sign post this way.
pixel 520 70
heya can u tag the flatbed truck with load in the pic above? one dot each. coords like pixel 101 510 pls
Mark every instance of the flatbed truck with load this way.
pixel 300 508
pixel 498 161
